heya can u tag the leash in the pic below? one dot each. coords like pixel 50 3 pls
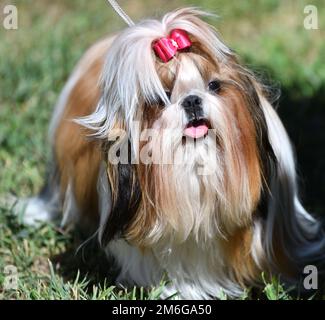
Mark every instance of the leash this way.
pixel 121 12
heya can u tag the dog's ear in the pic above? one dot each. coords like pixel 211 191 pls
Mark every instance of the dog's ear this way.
pixel 125 199
pixel 292 238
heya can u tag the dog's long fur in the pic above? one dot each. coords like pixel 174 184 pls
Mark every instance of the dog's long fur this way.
pixel 208 232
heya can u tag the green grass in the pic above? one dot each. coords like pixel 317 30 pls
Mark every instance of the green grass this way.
pixel 52 266
pixel 35 61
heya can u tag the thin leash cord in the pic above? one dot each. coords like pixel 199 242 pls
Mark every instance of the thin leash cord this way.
pixel 121 12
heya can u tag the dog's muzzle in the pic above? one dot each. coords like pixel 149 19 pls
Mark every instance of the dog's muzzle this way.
pixel 197 126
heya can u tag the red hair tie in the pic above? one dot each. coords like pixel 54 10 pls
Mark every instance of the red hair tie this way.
pixel 166 48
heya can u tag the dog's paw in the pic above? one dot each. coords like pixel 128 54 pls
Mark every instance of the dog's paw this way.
pixel 30 211
pixel 34 211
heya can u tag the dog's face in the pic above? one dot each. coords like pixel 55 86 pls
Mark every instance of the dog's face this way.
pixel 209 108
pixel 202 126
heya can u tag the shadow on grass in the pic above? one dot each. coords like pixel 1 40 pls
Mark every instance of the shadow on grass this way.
pixel 88 259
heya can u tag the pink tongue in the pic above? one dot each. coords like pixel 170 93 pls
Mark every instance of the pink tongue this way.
pixel 196 132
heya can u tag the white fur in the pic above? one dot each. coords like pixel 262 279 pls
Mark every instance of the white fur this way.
pixel 105 196
pixel 34 211
pixel 70 209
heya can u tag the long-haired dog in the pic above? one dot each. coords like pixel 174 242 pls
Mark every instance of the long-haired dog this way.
pixel 168 149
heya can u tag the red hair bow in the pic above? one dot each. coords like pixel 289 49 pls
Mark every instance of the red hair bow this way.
pixel 166 48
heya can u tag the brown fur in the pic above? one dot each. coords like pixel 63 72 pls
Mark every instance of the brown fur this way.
pixel 248 143
pixel 78 158
pixel 237 250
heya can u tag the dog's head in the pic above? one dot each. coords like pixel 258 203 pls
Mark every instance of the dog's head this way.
pixel 195 127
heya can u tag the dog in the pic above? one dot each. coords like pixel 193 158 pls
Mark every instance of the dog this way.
pixel 168 150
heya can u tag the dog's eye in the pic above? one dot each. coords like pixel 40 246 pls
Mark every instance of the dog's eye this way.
pixel 214 86
pixel 168 94
pixel 160 102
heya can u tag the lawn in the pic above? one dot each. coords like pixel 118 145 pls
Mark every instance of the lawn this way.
pixel 35 61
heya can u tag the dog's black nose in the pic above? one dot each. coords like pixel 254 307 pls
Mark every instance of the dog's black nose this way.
pixel 192 102
pixel 193 107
